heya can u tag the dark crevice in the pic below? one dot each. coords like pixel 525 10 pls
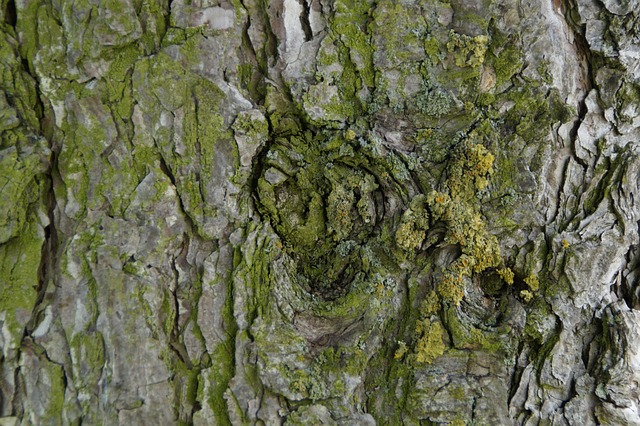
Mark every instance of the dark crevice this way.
pixel 591 346
pixel 573 393
pixel 46 270
pixel 167 172
pixel 473 410
pixel 10 14
pixel 246 40
pixel 254 82
pixel 167 17
pixel 175 341
pixel 587 61
pixel 48 252
pixel 559 204
pixel 573 134
pixel 304 20
pixel 19 391
pixel 630 289
pixel 516 377
pixel 271 44
pixel 257 170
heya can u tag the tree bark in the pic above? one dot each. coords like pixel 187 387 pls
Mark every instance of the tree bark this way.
pixel 319 212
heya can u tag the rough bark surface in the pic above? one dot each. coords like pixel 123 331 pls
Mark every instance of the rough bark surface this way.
pixel 319 212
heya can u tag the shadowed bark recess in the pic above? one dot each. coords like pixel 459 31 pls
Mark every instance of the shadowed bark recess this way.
pixel 319 212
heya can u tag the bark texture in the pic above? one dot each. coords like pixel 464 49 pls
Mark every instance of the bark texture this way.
pixel 319 212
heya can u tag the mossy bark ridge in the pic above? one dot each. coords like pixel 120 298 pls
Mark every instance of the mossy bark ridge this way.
pixel 319 212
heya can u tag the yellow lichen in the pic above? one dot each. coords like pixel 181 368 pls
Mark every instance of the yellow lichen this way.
pixel 565 244
pixel 506 274
pixel 451 288
pixel 408 237
pixel 468 173
pixel 469 169
pixel 415 221
pixel 430 304
pixel 526 295
pixel 532 282
pixel 350 135
pixel 430 344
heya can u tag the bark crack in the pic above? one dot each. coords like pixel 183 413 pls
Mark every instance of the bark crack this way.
pixel 10 14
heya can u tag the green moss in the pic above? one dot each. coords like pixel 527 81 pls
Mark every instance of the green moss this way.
pixel 485 99
pixel 349 26
pixel 206 137
pixel 119 92
pixel 401 351
pixel 89 130
pixel 348 45
pixel 457 393
pixel 17 85
pixel 403 28
pixel 21 186
pixel 185 379
pixel 153 19
pixel 88 357
pixel 23 158
pixel 531 114
pixel 430 305
pixel 56 389
pixel 507 61
pixel 433 49
pixel 626 101
pixel 340 203
pixel 223 356
pixel 559 287
pixel 430 344
pixel 252 128
pixel 19 265
pixel 321 198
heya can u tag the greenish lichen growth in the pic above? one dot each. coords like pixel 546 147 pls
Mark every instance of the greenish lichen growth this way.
pixel 322 194
pixel 532 281
pixel 346 73
pixel 469 170
pixel 429 334
pixel 430 344
pixel 19 263
pixel 401 351
pixel 467 51
pixel 465 336
pixel 415 221
pixel 505 56
pixel 534 285
pixel 526 295
pixel 458 207
pixel 506 274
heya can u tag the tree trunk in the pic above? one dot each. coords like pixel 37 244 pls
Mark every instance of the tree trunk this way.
pixel 319 212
